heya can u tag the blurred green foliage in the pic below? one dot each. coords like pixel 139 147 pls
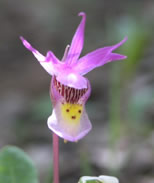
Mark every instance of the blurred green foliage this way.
pixel 41 108
pixel 85 166
pixel 16 166
pixel 124 72
pixel 138 106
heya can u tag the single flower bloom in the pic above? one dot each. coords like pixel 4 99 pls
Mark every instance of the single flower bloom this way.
pixel 100 179
pixel 69 88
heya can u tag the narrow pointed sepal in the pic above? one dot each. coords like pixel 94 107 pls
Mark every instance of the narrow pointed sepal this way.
pixel 48 62
pixel 77 41
pixel 98 58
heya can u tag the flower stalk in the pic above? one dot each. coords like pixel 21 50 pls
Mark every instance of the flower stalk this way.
pixel 55 158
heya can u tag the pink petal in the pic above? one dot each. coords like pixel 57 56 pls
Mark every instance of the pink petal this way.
pixel 48 62
pixel 72 79
pixel 98 58
pixel 77 41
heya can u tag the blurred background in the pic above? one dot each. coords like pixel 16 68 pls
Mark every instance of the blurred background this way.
pixel 121 105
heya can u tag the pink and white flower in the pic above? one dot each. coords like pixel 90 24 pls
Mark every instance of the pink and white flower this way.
pixel 69 88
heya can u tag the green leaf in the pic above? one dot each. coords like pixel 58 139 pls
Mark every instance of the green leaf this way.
pixel 16 166
pixel 100 179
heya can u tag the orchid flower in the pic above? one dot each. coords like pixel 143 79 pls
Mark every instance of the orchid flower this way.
pixel 69 88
